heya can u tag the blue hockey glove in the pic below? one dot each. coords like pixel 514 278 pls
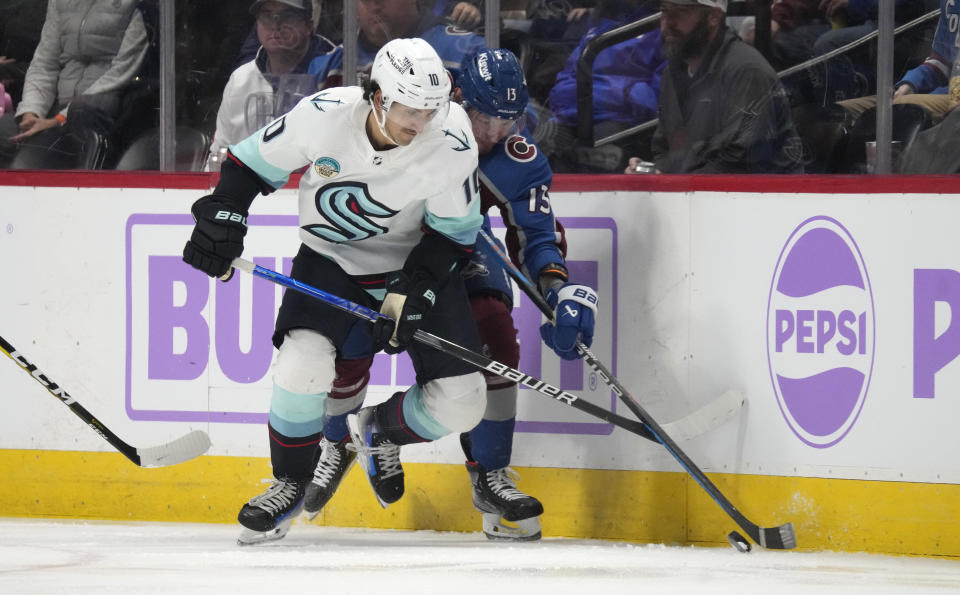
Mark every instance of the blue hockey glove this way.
pixel 574 312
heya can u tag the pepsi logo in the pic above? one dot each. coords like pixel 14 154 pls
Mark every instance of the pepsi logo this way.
pixel 820 331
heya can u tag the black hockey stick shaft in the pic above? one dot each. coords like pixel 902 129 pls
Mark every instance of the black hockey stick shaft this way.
pixel 54 389
pixel 440 344
pixel 181 449
pixel 781 537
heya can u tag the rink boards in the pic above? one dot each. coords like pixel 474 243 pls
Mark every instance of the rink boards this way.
pixel 827 301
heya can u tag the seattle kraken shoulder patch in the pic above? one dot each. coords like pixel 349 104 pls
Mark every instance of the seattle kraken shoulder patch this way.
pixel 326 167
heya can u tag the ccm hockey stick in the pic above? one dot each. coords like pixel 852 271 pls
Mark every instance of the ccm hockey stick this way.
pixel 701 421
pixel 781 537
pixel 182 449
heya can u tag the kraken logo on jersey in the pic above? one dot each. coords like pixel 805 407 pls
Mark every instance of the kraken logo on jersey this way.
pixel 348 207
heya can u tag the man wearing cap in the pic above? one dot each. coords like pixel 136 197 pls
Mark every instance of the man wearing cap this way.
pixel 271 83
pixel 379 21
pixel 722 108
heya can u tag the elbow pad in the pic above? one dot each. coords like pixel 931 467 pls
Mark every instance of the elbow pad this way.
pixel 434 257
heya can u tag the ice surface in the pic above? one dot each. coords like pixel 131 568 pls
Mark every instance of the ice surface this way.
pixel 69 557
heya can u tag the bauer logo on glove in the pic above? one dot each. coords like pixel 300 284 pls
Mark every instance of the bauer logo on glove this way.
pixel 574 312
pixel 217 236
pixel 230 216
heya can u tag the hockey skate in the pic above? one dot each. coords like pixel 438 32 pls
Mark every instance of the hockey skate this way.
pixel 379 457
pixel 268 517
pixel 335 460
pixel 508 513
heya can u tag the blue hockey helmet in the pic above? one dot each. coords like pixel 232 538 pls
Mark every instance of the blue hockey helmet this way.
pixel 492 82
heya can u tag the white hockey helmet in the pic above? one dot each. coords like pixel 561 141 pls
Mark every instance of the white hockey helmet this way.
pixel 410 72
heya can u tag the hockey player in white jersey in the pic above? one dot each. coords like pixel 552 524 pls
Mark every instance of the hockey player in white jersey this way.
pixel 514 178
pixel 389 210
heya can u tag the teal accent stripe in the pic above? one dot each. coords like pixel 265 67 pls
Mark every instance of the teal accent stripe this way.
pixel 416 416
pixel 377 294
pixel 296 415
pixel 248 151
pixel 462 230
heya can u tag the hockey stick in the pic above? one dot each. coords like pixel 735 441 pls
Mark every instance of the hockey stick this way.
pixel 182 449
pixel 701 421
pixel 440 344
pixel 782 537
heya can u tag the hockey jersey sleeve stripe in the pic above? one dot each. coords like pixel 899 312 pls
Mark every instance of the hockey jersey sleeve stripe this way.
pixel 461 230
pixel 248 151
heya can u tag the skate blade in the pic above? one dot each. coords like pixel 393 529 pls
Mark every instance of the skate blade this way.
pixel 251 537
pixel 356 440
pixel 498 529
pixel 312 514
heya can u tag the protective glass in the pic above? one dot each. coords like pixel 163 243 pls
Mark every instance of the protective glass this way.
pixel 284 18
pixel 493 129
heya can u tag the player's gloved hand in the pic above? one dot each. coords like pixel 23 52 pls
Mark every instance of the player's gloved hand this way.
pixel 574 312
pixel 217 236
pixel 407 303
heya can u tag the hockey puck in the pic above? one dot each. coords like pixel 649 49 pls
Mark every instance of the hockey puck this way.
pixel 738 542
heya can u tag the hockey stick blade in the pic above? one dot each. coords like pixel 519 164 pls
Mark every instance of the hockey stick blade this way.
pixel 186 447
pixel 182 449
pixel 777 538
pixel 709 417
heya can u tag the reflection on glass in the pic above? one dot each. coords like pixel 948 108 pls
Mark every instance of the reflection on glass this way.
pixel 88 69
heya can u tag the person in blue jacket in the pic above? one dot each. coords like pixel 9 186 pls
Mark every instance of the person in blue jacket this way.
pixel 382 20
pixel 926 85
pixel 626 81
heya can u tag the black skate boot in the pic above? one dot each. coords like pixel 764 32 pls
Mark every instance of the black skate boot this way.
pixel 335 461
pixel 379 457
pixel 268 516
pixel 496 496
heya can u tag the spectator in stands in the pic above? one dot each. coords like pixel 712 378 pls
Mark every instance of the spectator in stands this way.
pixel 275 79
pixel 465 15
pixel 88 54
pixel 935 150
pixel 795 26
pixel 383 20
pixel 626 81
pixel 853 73
pixel 20 24
pixel 328 22
pixel 925 85
pixel 544 36
pixel 803 29
pixel 722 109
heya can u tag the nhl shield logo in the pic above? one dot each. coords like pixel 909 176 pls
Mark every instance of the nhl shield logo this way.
pixel 326 167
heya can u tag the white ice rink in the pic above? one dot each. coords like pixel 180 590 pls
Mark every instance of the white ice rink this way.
pixel 66 558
